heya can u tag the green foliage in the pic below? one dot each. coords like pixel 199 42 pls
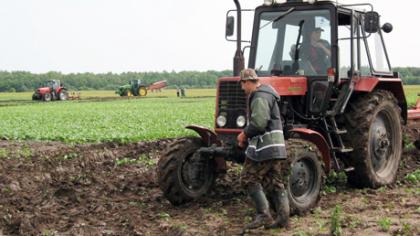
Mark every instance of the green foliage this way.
pixel 3 153
pixel 70 156
pixel 143 160
pixel 385 224
pixel 125 120
pixel 413 177
pixel 25 152
pixel 407 229
pixel 164 216
pixel 334 180
pixel 336 221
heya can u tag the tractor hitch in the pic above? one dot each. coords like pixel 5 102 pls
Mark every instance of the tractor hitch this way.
pixel 228 153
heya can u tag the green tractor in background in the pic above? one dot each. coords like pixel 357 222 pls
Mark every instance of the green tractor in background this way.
pixel 133 88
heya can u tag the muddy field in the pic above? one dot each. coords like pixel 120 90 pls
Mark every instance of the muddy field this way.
pixel 98 189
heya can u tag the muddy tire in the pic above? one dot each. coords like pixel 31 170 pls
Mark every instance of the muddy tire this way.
pixel 180 178
pixel 305 175
pixel 375 132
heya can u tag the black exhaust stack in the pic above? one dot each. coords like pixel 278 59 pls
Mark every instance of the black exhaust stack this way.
pixel 238 60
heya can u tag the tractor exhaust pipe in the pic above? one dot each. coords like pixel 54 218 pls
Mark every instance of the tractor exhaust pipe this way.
pixel 238 60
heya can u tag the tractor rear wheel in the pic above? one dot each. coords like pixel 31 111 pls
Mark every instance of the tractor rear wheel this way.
pixel 142 91
pixel 375 133
pixel 46 97
pixel 183 174
pixel 305 175
pixel 63 95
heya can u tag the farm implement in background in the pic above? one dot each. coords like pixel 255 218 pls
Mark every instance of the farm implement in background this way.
pixel 51 90
pixel 137 88
pixel 414 113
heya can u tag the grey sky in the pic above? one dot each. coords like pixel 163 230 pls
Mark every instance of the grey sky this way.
pixel 138 35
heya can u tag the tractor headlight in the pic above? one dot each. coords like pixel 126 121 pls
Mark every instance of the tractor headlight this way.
pixel 221 120
pixel 240 121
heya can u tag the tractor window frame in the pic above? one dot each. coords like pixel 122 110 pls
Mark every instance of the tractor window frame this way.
pixel 364 36
pixel 322 6
pixel 353 42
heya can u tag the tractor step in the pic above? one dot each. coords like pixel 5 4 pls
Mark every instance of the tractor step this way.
pixel 338 131
pixel 348 169
pixel 342 150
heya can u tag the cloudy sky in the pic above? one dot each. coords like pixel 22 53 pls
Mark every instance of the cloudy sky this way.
pixel 138 35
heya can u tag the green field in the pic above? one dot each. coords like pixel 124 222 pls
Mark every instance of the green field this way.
pixel 27 96
pixel 411 92
pixel 102 116
pixel 122 120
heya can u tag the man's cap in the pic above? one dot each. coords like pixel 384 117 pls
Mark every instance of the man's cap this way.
pixel 248 74
pixel 318 29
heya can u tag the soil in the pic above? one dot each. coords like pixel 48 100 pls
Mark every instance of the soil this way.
pixel 51 188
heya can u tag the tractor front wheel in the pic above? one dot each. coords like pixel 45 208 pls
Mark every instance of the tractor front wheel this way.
pixel 304 173
pixel 46 97
pixel 375 133
pixel 183 174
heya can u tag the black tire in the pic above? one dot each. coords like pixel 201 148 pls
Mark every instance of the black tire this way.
pixel 305 175
pixel 46 97
pixel 63 95
pixel 374 128
pixel 174 172
pixel 35 96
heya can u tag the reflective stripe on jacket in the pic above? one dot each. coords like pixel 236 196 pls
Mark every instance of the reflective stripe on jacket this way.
pixel 264 129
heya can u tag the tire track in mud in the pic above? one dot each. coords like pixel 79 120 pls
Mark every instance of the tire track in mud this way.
pixel 111 189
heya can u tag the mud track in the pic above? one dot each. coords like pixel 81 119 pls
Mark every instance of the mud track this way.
pixel 51 188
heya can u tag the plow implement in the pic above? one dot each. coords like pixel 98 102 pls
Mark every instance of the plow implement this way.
pixel 414 113
pixel 157 85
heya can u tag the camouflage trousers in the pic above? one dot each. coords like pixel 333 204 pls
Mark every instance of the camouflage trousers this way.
pixel 267 173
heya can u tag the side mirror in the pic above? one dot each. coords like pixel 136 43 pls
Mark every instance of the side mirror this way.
pixel 387 27
pixel 371 23
pixel 230 25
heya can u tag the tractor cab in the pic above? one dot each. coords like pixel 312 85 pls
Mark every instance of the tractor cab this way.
pixel 318 39
pixel 54 84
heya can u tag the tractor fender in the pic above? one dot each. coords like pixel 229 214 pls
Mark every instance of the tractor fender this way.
pixel 209 137
pixel 317 139
pixel 394 85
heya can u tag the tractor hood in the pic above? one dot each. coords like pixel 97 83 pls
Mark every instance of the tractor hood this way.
pixel 43 90
pixel 283 85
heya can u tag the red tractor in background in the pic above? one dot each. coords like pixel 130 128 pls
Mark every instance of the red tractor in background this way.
pixel 51 90
pixel 348 117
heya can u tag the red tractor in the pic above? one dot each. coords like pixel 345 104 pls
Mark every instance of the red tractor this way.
pixel 345 115
pixel 51 90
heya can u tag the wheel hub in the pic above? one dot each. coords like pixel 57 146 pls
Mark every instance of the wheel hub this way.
pixel 193 171
pixel 380 143
pixel 301 178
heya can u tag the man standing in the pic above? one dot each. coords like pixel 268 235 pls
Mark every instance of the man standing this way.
pixel 265 150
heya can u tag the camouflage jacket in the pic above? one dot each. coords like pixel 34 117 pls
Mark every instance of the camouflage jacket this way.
pixel 264 129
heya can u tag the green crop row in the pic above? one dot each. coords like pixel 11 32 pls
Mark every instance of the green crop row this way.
pixel 126 120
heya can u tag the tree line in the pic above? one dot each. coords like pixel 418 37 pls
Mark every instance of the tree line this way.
pixel 21 81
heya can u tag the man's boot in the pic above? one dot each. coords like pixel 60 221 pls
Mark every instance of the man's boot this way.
pixel 281 206
pixel 263 217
